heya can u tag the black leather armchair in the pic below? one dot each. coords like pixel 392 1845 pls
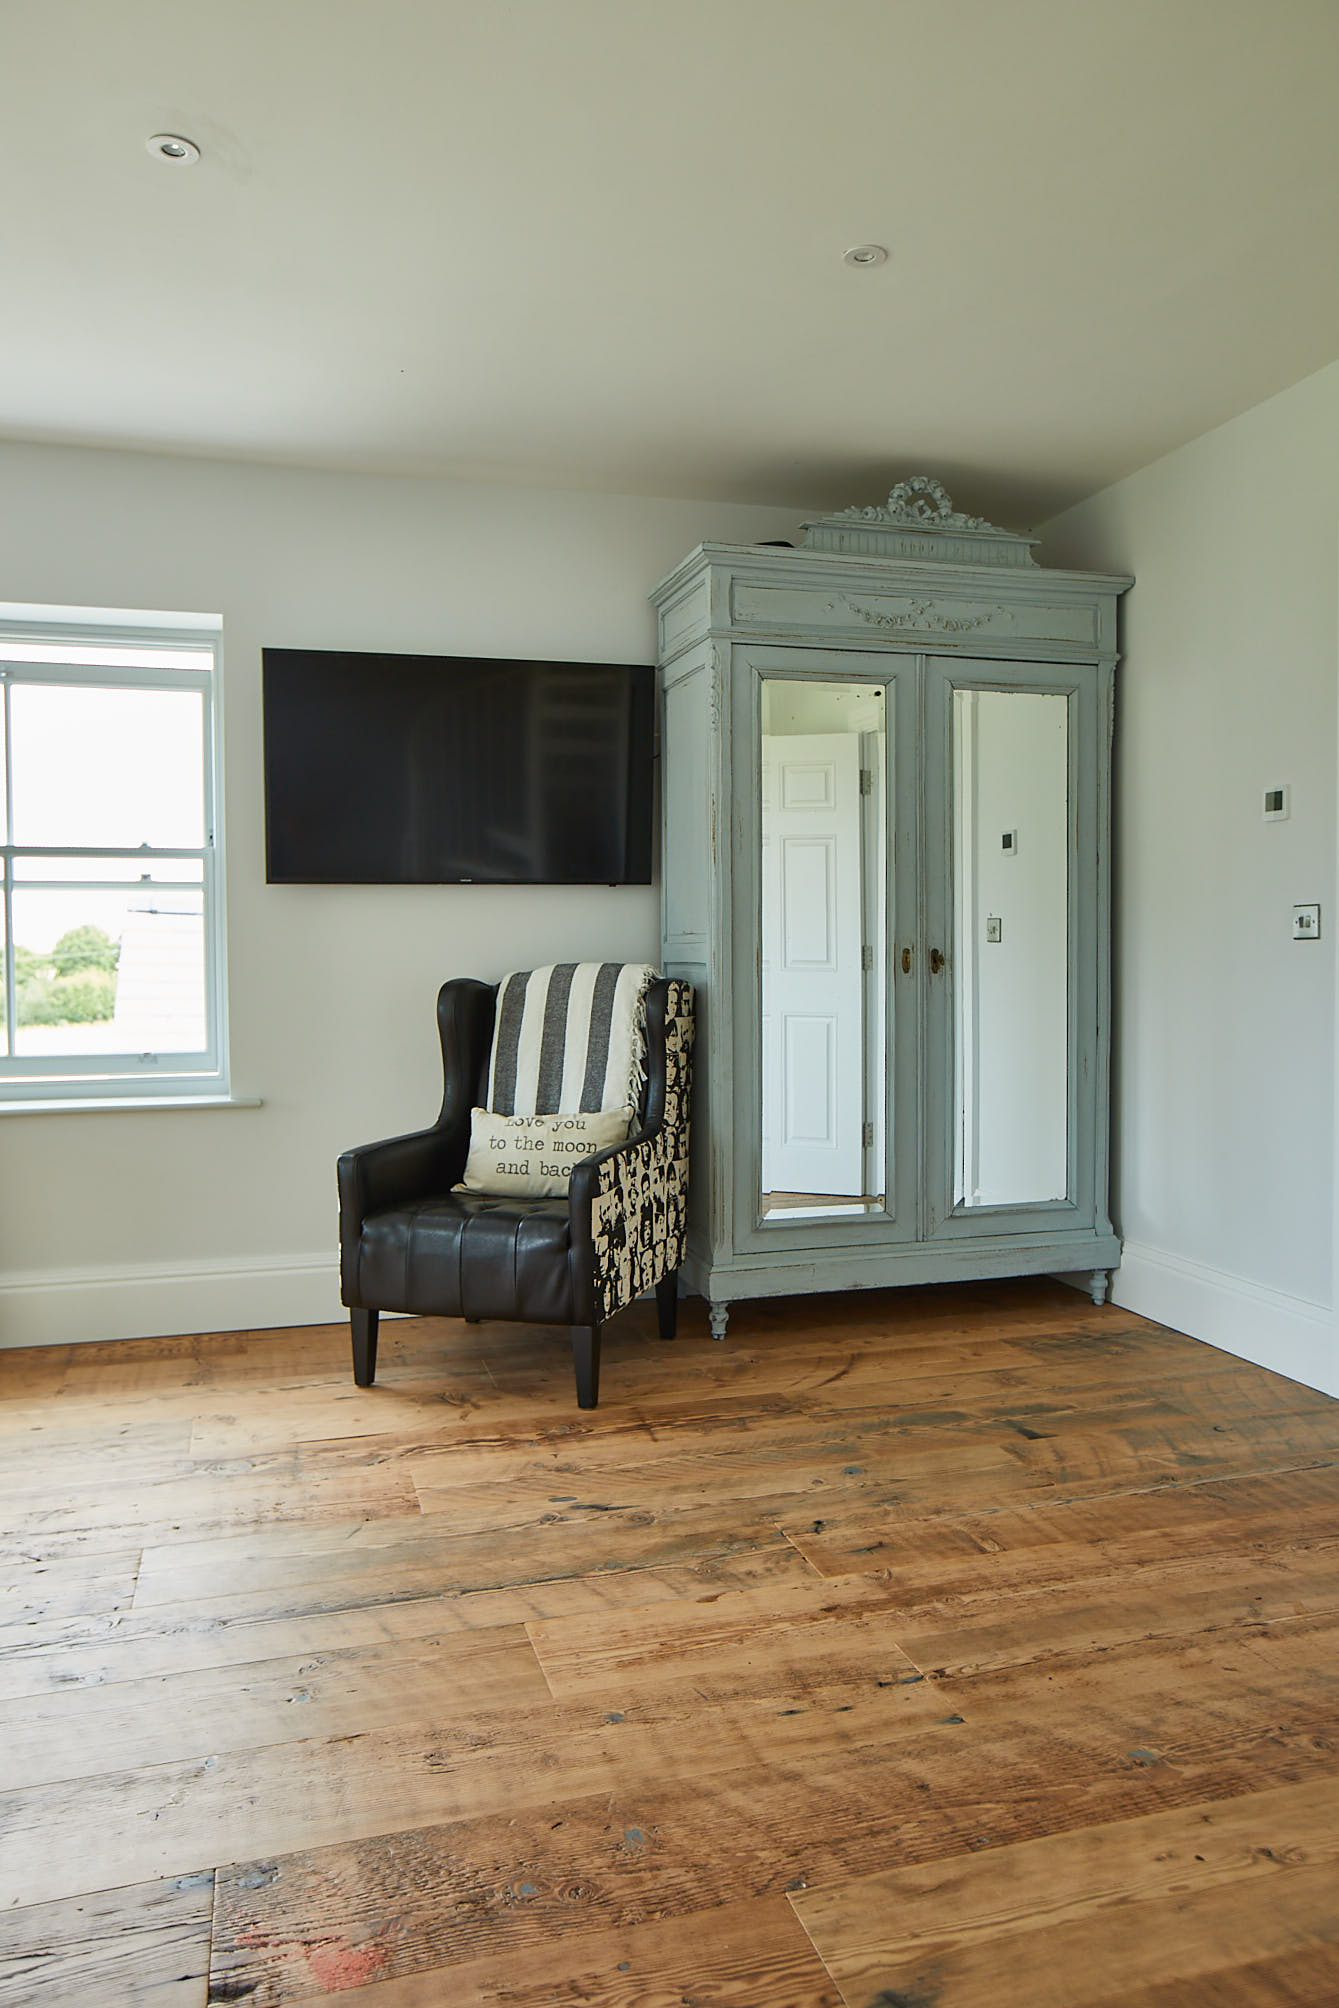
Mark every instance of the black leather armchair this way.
pixel 408 1242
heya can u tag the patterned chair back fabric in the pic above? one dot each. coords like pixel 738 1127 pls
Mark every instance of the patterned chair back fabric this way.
pixel 639 1208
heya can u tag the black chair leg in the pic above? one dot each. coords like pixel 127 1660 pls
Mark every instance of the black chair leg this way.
pixel 364 1325
pixel 586 1360
pixel 667 1304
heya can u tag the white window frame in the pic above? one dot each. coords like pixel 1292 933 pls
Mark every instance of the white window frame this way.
pixel 47 1080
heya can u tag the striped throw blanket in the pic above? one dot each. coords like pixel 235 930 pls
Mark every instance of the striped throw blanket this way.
pixel 568 1038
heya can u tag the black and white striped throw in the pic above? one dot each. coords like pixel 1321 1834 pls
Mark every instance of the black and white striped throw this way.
pixel 569 1038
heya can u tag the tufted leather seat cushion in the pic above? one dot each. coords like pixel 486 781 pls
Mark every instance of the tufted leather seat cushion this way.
pixel 469 1256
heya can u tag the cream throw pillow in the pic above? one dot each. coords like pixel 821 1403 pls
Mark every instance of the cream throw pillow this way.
pixel 531 1157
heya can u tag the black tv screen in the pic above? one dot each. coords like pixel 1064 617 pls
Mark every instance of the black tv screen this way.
pixel 443 769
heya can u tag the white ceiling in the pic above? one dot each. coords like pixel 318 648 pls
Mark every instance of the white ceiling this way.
pixel 599 242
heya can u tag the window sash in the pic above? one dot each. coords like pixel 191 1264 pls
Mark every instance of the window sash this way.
pixel 111 1074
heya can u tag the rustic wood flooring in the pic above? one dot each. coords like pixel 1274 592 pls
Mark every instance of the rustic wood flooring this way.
pixel 964 1648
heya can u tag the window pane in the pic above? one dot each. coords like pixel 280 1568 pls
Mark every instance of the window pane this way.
pixel 110 972
pixel 105 656
pixel 177 871
pixel 120 767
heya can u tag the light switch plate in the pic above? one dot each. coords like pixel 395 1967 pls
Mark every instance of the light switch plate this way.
pixel 994 928
pixel 1306 923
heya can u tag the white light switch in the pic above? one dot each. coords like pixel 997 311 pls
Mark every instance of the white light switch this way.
pixel 1306 923
pixel 994 927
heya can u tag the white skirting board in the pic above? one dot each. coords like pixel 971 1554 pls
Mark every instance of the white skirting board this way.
pixel 248 1293
pixel 1290 1335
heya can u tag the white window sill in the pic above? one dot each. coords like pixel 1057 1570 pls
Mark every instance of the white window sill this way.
pixel 71 1105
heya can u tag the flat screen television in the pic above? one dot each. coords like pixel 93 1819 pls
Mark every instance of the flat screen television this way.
pixel 445 769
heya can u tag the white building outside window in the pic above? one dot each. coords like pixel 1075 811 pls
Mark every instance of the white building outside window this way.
pixel 113 900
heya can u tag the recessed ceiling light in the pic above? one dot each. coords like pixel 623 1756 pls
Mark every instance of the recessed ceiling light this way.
pixel 867 254
pixel 171 146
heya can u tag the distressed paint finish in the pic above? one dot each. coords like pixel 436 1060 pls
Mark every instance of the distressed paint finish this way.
pixel 926 600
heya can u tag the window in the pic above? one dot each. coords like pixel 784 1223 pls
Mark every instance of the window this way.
pixel 113 919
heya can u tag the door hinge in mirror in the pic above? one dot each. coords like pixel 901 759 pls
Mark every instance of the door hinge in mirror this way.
pixel 867 1135
pixel 866 780
pixel 867 957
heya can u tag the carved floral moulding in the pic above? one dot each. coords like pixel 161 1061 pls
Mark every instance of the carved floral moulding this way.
pixel 918 521
pixel 925 617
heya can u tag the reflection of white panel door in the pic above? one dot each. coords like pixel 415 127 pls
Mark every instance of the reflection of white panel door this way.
pixel 813 1055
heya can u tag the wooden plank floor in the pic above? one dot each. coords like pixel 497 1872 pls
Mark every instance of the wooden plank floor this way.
pixel 958 1648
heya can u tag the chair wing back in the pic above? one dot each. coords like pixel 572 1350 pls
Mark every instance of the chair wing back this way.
pixel 639 1206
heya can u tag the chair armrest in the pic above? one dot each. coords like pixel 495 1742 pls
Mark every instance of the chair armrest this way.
pixel 400 1168
pixel 379 1175
pixel 629 1219
pixel 588 1180
pixel 629 1204
pixel 594 1192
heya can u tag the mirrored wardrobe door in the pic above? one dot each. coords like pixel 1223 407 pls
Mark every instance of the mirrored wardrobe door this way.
pixel 1003 953
pixel 828 798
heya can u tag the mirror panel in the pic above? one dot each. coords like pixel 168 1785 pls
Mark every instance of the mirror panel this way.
pixel 1011 946
pixel 824 953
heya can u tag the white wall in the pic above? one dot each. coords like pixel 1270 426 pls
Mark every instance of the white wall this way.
pixel 1225 1107
pixel 117 1223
